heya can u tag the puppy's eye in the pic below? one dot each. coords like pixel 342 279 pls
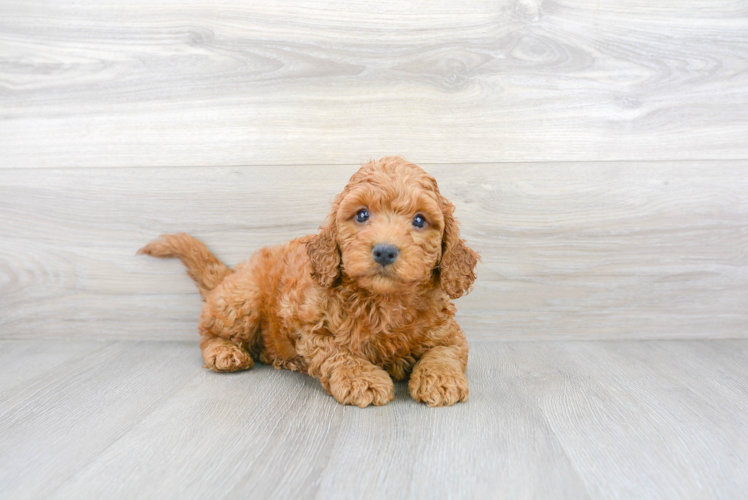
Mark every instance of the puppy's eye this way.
pixel 362 215
pixel 419 221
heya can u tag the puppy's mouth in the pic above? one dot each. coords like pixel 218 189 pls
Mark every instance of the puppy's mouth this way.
pixel 381 271
pixel 383 275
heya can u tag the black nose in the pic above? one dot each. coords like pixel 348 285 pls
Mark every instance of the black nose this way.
pixel 384 254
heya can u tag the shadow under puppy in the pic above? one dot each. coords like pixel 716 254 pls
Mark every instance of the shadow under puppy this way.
pixel 364 301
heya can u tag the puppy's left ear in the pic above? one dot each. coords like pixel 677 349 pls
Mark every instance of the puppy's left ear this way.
pixel 457 265
pixel 324 253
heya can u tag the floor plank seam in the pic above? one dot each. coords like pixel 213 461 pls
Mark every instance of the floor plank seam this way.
pixel 550 426
pixel 45 379
pixel 124 432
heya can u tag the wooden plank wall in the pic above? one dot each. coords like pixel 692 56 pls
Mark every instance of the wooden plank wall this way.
pixel 597 152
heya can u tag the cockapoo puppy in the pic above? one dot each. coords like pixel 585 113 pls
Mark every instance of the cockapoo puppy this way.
pixel 365 301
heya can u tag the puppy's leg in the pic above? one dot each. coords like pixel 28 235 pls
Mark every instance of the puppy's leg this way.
pixel 438 379
pixel 350 379
pixel 355 381
pixel 222 355
pixel 230 324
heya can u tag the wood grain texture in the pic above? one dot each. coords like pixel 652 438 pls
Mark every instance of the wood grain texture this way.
pixel 190 83
pixel 64 418
pixel 497 445
pixel 260 434
pixel 569 419
pixel 23 361
pixel 605 250
pixel 645 419
pixel 276 434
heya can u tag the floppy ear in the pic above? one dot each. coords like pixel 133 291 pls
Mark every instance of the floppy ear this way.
pixel 457 265
pixel 324 253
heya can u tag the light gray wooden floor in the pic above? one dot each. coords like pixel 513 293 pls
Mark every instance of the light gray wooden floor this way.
pixel 565 419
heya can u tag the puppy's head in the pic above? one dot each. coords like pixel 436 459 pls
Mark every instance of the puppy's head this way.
pixel 390 230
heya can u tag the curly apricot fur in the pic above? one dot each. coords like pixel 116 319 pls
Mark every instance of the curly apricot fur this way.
pixel 322 305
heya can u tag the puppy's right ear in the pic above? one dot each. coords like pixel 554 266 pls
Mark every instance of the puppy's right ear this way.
pixel 324 253
pixel 457 266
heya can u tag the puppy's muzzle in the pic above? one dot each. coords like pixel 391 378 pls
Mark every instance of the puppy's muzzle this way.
pixel 385 254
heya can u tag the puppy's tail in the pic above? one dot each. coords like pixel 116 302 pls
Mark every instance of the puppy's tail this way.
pixel 202 266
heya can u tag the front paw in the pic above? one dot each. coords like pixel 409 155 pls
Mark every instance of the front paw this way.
pixel 362 386
pixel 438 386
pixel 224 357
